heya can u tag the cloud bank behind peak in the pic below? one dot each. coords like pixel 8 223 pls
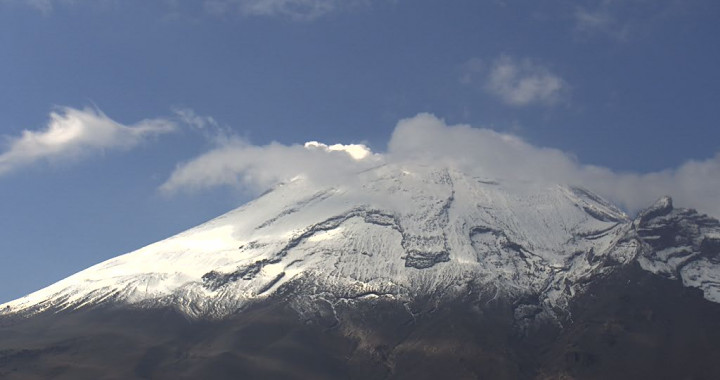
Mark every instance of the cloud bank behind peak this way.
pixel 426 138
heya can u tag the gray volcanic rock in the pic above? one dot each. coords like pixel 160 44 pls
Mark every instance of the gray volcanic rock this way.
pixel 681 244
pixel 629 324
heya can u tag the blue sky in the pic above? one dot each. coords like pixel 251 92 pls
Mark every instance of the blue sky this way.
pixel 124 122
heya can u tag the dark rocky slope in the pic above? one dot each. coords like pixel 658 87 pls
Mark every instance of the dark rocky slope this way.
pixel 629 324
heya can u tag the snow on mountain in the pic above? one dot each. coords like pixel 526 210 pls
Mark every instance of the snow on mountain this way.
pixel 681 244
pixel 397 231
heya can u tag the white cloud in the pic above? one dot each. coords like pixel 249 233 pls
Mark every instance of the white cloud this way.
pixel 236 162
pixel 425 138
pixel 502 156
pixel 521 83
pixel 72 133
pixel 356 151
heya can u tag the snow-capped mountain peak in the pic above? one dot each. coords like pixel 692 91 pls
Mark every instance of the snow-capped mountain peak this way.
pixel 397 231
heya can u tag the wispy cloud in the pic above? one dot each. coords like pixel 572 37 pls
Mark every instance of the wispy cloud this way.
pixel 304 10
pixel 425 138
pixel 190 117
pixel 207 126
pixel 48 6
pixel 41 5
pixel 44 6
pixel 74 133
pixel 601 19
pixel 516 82
pixel 295 9
pixel 625 20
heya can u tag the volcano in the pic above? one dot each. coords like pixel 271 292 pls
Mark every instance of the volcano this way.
pixel 407 271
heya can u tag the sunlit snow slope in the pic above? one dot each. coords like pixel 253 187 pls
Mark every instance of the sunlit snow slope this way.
pixel 396 231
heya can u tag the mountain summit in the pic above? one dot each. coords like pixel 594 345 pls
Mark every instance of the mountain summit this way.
pixel 405 241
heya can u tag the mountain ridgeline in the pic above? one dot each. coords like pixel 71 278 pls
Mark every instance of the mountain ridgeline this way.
pixel 409 271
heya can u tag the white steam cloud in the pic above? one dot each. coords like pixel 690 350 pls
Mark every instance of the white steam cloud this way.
pixel 425 138
pixel 356 151
pixel 72 133
pixel 236 162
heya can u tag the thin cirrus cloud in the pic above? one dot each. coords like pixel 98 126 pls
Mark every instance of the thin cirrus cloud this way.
pixel 72 133
pixel 41 5
pixel 601 20
pixel 294 9
pixel 44 6
pixel 625 20
pixel 425 138
pixel 48 6
pixel 516 82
